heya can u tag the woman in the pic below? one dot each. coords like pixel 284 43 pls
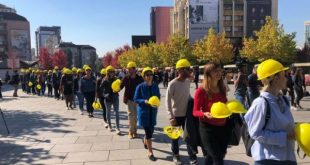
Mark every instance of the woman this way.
pixel 77 89
pixel 146 113
pixel 88 87
pixel 111 98
pixel 214 132
pixel 274 139
pixel 67 87
pixel 299 83
pixel 100 96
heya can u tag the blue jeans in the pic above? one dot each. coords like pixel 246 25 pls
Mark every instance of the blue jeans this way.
pixel 253 94
pixel 274 162
pixel 80 97
pixel 108 105
pixel 175 143
pixel 241 98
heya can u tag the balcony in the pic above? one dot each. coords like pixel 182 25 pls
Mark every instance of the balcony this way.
pixel 227 23
pixel 236 12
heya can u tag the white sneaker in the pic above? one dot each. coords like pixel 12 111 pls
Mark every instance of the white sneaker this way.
pixel 118 132
pixel 110 129
pixel 294 108
pixel 81 113
pixel 106 125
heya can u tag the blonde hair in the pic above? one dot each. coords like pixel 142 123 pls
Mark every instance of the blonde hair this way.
pixel 206 83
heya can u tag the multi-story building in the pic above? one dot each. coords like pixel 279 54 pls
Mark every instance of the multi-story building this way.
pixel 15 44
pixel 160 23
pixel 88 55
pixel 48 37
pixel 307 32
pixel 238 18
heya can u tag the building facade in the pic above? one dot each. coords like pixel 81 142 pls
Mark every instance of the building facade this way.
pixel 307 32
pixel 15 43
pixel 160 23
pixel 48 37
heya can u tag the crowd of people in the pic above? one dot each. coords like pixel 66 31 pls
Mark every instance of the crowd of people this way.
pixel 274 139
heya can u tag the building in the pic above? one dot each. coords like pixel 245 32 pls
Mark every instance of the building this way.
pixel 78 55
pixel 15 44
pixel 161 23
pixel 48 37
pixel 238 18
pixel 141 39
pixel 307 32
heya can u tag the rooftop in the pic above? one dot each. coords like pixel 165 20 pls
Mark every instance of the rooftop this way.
pixel 12 17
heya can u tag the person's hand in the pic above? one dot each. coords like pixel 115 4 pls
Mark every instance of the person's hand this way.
pixel 146 102
pixel 291 135
pixel 207 115
pixel 173 121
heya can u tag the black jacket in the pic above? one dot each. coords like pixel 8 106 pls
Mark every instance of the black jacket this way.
pixel 107 91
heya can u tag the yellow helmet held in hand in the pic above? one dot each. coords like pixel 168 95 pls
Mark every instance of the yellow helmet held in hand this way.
pixel 303 136
pixel 147 69
pixel 103 71
pixel 30 84
pixel 183 63
pixel 96 105
pixel 110 68
pixel 173 132
pixel 235 106
pixel 154 101
pixel 220 110
pixel 131 64
pixel 39 87
pixel 268 68
pixel 116 85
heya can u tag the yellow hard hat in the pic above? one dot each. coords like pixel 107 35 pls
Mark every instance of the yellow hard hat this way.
pixel 110 68
pixel 39 86
pixel 74 69
pixel 220 110
pixel 116 85
pixel 235 106
pixel 173 132
pixel 303 137
pixel 30 84
pixel 56 67
pixel 67 71
pixel 154 101
pixel 103 71
pixel 268 68
pixel 80 70
pixel 50 71
pixel 147 69
pixel 96 105
pixel 131 64
pixel 85 66
pixel 183 63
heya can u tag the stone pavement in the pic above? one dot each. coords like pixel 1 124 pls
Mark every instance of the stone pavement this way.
pixel 44 132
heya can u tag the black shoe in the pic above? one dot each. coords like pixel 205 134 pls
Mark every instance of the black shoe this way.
pixel 176 160
pixel 145 146
pixel 152 158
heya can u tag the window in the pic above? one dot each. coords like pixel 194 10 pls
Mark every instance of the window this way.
pixel 262 21
pixel 253 22
pixel 228 28
pixel 227 18
pixel 239 7
pixel 227 6
pixel 262 10
pixel 238 29
pixel 238 18
pixel 253 10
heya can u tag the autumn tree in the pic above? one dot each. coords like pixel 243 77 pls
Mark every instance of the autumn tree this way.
pixel 214 48
pixel 270 42
pixel 45 60
pixel 59 59
pixel 107 59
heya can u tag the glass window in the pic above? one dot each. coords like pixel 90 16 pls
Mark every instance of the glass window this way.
pixel 228 6
pixel 238 18
pixel 253 22
pixel 262 10
pixel 262 21
pixel 228 28
pixel 227 18
pixel 238 28
pixel 253 10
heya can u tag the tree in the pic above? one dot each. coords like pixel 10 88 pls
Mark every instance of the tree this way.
pixel 45 60
pixel 107 59
pixel 59 59
pixel 270 42
pixel 214 48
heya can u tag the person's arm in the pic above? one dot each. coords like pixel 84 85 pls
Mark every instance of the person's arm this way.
pixel 236 79
pixel 255 120
pixel 138 96
pixel 198 103
pixel 169 95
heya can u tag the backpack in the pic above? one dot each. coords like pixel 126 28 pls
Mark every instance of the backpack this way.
pixel 247 140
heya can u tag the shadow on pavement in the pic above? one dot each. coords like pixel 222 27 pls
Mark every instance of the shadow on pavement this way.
pixel 27 133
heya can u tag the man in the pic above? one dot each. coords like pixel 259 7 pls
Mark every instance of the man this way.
pixel 56 82
pixel 15 81
pixel 130 82
pixel 177 96
pixel 241 83
pixel 253 89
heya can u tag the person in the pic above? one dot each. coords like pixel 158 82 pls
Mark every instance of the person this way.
pixel 274 139
pixel 15 82
pixel 0 88
pixel 99 95
pixel 130 82
pixel 88 87
pixel 241 83
pixel 214 132
pixel 177 96
pixel 77 89
pixel 196 76
pixel 290 87
pixel 7 77
pixel 56 82
pixel 33 78
pixel 111 98
pixel 299 86
pixel 253 88
pixel 225 81
pixel 39 81
pixel 49 83
pixel 66 86
pixel 166 78
pixel 146 113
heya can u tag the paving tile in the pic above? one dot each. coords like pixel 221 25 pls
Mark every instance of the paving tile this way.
pixel 82 133
pixel 124 162
pixel 71 147
pixel 110 146
pixel 43 158
pixel 63 140
pixel 94 156
pixel 94 139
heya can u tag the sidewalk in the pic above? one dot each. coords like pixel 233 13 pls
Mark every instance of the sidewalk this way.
pixel 44 132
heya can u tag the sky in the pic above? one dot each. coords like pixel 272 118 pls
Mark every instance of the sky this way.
pixel 109 24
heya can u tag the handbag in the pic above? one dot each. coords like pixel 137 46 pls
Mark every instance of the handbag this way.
pixel 235 136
